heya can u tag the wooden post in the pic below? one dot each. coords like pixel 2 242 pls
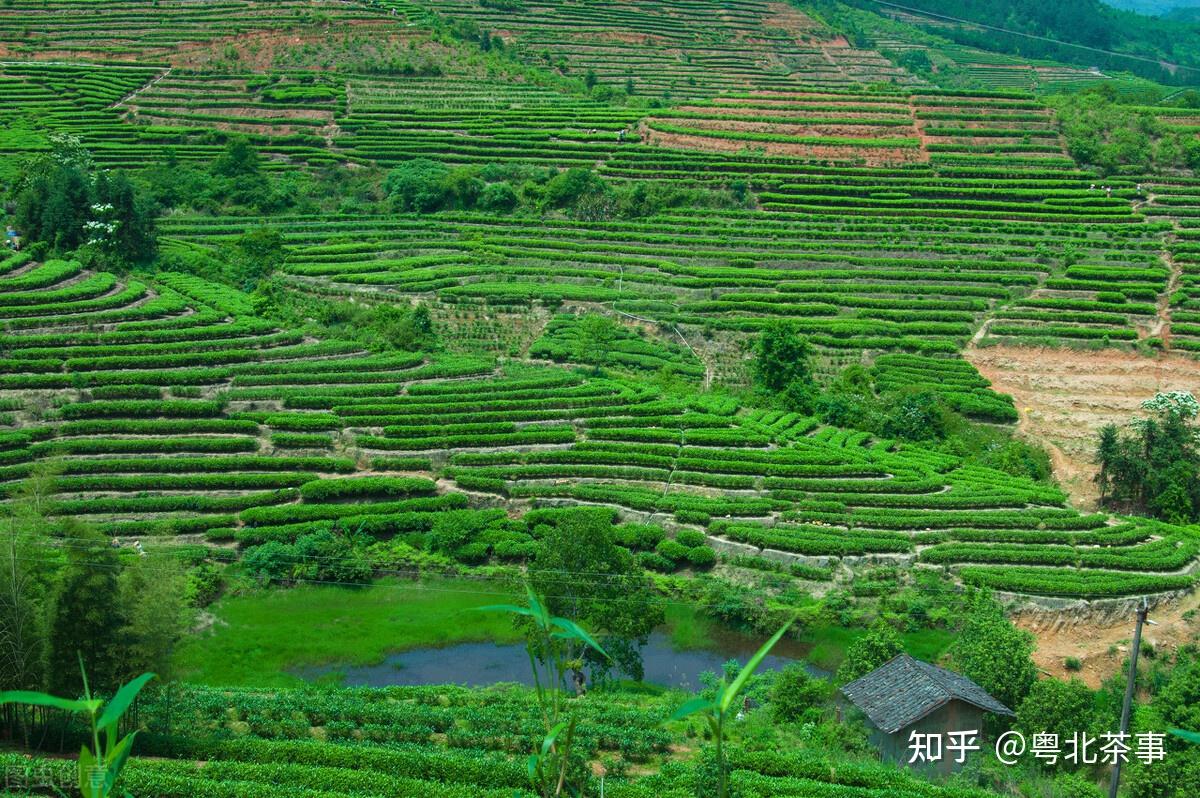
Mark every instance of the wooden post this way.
pixel 1129 688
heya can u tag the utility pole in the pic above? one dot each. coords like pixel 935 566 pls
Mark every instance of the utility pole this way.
pixel 1129 687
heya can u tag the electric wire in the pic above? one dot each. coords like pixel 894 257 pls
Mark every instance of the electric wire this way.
pixel 1010 32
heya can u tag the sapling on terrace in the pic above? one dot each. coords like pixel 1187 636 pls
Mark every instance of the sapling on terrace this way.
pixel 550 642
pixel 99 766
pixel 718 709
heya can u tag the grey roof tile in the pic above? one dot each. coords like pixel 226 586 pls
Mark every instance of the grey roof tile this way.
pixel 904 690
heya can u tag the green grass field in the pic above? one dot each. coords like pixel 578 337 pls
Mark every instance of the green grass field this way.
pixel 259 637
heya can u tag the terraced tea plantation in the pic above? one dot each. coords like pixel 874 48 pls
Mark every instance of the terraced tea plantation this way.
pixel 310 310
pixel 167 408
pixel 445 742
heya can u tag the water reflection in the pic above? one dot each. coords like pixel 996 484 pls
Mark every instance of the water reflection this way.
pixel 479 664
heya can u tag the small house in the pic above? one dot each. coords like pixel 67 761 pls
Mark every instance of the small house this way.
pixel 906 695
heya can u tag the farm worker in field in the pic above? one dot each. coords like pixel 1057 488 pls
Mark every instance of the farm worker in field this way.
pixel 1108 191
pixel 1092 187
pixel 621 135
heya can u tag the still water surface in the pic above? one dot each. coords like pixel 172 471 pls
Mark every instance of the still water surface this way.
pixel 478 664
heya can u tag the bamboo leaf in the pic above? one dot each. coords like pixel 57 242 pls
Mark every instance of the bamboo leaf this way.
pixel 692 707
pixel 540 612
pixel 87 766
pixel 739 682
pixel 573 631
pixel 121 701
pixel 116 759
pixel 1190 736
pixel 513 608
pixel 44 700
pixel 548 743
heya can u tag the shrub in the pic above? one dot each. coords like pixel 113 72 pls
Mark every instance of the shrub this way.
pixel 672 550
pixel 655 562
pixel 417 185
pixel 452 531
pixel 691 538
pixel 794 693
pixel 701 557
pixel 639 536
pixel 515 550
pixel 498 197
pixel 472 553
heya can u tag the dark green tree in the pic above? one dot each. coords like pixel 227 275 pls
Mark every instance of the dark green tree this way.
pixel 1175 705
pixel 880 644
pixel 1106 456
pixel 1154 467
pixel 781 364
pixel 586 577
pixel 154 591
pixel 238 159
pixel 254 256
pixel 54 205
pixel 419 184
pixel 1057 707
pixel 569 188
pixel 132 214
pixel 594 337
pixel 915 416
pixel 88 618
pixel 993 652
pixel 237 177
pixel 794 693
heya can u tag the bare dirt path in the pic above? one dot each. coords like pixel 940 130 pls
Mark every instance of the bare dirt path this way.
pixel 129 98
pixel 1064 397
pixel 1163 323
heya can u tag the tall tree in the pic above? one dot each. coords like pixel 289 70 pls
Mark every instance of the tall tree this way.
pixel 594 336
pixel 132 214
pixel 993 652
pixel 586 577
pixel 781 364
pixel 154 590
pixel 88 619
pixel 1154 467
pixel 25 581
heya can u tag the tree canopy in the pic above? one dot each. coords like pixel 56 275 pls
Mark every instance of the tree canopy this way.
pixel 994 653
pixel 1153 466
pixel 586 577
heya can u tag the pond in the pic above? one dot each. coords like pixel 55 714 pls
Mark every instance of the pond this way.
pixel 479 664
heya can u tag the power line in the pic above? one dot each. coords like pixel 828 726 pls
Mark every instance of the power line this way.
pixel 1010 32
pixel 80 543
pixel 420 585
pixel 592 578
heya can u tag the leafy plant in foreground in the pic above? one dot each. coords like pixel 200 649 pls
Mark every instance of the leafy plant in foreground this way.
pixel 100 766
pixel 717 710
pixel 549 765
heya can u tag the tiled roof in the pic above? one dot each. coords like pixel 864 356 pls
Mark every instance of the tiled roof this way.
pixel 904 690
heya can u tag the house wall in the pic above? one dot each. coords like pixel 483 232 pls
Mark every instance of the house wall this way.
pixel 954 716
